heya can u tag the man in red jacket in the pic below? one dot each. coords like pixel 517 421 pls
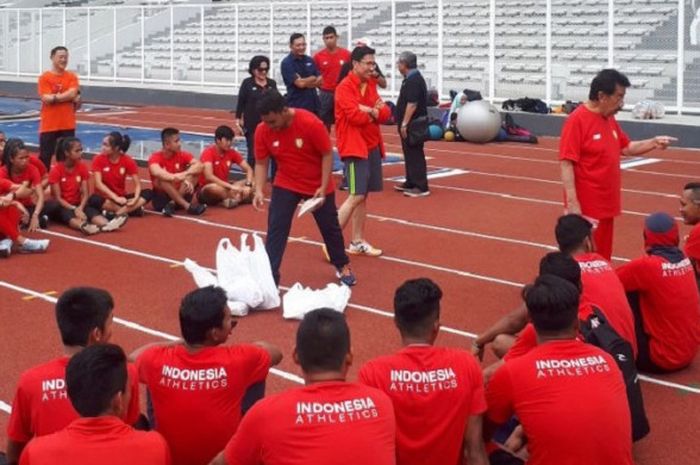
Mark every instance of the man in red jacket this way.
pixel 358 112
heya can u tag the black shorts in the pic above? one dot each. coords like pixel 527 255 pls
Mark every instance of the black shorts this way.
pixel 159 199
pixel 97 201
pixel 47 144
pixel 364 175
pixel 327 107
pixel 58 213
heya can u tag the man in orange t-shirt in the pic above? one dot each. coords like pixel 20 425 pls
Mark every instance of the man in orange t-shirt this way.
pixel 59 91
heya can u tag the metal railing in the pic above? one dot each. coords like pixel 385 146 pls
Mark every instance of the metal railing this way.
pixel 548 49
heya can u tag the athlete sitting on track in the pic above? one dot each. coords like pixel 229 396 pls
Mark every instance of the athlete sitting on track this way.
pixel 214 185
pixel 111 168
pixel 10 214
pixel 174 175
pixel 17 167
pixel 69 185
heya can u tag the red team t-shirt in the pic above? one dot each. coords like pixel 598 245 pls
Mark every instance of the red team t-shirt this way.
pixel 197 396
pixel 175 164
pixel 69 180
pixel 114 174
pixel 670 306
pixel 329 65
pixel 105 440
pixel 30 177
pixel 5 186
pixel 41 405
pixel 434 391
pixel 38 164
pixel 330 422
pixel 220 162
pixel 570 399
pixel 298 151
pixel 594 144
pixel 601 288
pixel 692 247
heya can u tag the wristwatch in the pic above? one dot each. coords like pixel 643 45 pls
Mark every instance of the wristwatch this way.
pixel 248 184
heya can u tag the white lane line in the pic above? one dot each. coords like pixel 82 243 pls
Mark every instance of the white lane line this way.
pixel 637 161
pixel 658 173
pixel 125 250
pixel 5 407
pixel 290 376
pixel 558 182
pixel 139 327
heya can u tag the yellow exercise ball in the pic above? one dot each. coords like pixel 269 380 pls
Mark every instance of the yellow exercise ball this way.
pixel 449 136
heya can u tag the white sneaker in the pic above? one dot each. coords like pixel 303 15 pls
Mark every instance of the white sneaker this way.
pixel 34 246
pixel 363 248
pixel 5 248
pixel 115 223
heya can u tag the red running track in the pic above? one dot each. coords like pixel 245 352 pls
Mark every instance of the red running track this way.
pixel 480 236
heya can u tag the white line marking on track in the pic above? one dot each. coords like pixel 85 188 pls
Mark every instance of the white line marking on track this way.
pixel 140 328
pixel 5 407
pixel 658 173
pixel 637 161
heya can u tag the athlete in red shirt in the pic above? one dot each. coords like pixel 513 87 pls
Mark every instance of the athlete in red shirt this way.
pixel 41 406
pixel 600 287
pixel 358 112
pixel 69 184
pixel 11 211
pixel 690 211
pixel 174 174
pixel 329 61
pixel 214 185
pixel 17 167
pixel 568 396
pixel 200 381
pixel 664 298
pixel 437 392
pixel 329 421
pixel 96 381
pixel 589 150
pixel 111 168
pixel 304 158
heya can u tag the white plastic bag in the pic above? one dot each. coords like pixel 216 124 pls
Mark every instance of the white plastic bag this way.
pixel 237 308
pixel 300 300
pixel 262 274
pixel 234 275
pixel 202 277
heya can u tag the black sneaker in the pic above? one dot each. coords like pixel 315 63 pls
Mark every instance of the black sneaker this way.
pixel 403 187
pixel 196 209
pixel 139 212
pixel 109 215
pixel 43 221
pixel 415 192
pixel 169 209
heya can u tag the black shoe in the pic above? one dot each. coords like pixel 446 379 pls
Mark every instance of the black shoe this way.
pixel 196 209
pixel 43 221
pixel 109 215
pixel 402 187
pixel 169 209
pixel 415 192
pixel 139 212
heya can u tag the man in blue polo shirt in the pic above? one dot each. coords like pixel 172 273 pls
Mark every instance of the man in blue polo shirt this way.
pixel 301 76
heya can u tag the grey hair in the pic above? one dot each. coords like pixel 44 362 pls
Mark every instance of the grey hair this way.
pixel 409 59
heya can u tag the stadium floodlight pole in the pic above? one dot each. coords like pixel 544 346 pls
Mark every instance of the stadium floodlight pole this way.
pixel 548 52
pixel 680 68
pixel 440 51
pixel 492 50
pixel 611 33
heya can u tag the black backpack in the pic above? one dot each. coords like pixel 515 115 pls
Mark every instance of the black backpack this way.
pixel 597 331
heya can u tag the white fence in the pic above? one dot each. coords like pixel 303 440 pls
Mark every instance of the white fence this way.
pixel 547 49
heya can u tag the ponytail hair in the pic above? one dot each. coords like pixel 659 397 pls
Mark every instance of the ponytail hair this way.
pixel 119 141
pixel 63 145
pixel 12 148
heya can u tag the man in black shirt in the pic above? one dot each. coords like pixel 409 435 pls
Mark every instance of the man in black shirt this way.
pixel 412 104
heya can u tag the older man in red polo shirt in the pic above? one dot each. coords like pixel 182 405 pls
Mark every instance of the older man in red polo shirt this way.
pixel 690 211
pixel 589 150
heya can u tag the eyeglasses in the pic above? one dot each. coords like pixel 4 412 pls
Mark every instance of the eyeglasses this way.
pixel 262 70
